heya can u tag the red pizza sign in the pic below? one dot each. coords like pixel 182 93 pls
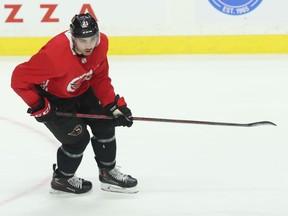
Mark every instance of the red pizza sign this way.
pixel 48 17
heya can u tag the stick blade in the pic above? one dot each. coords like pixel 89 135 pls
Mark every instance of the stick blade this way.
pixel 261 123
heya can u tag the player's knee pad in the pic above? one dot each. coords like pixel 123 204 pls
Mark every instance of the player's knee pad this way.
pixel 77 144
pixel 103 129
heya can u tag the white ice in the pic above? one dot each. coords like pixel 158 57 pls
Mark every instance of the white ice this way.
pixel 182 169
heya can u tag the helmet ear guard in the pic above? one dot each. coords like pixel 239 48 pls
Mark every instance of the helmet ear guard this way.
pixel 84 25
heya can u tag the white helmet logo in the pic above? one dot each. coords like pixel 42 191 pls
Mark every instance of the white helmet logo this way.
pixel 84 24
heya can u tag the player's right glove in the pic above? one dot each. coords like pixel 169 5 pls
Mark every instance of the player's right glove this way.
pixel 43 112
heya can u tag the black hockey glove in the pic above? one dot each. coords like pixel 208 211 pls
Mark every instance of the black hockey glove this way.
pixel 43 112
pixel 122 114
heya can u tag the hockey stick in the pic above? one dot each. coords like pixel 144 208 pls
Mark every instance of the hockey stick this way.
pixel 94 116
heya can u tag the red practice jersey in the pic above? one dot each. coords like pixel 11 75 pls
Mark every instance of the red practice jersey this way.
pixel 59 71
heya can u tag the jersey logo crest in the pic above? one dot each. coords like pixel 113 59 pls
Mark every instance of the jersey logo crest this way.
pixel 76 82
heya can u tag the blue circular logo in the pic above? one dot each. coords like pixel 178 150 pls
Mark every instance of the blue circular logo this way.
pixel 235 7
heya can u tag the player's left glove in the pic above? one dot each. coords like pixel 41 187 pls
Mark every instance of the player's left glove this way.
pixel 122 114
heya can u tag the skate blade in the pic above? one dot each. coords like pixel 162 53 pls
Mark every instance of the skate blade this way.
pixel 63 193
pixel 117 189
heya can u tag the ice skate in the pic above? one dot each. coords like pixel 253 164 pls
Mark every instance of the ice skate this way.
pixel 115 181
pixel 73 184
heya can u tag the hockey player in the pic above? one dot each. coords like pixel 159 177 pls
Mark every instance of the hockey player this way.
pixel 70 74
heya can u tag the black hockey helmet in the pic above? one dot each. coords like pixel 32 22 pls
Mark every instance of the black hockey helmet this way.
pixel 83 25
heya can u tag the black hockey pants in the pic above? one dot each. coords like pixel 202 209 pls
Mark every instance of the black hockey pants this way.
pixel 73 135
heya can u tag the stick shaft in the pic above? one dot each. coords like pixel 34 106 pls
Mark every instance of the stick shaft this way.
pixel 95 116
pixel 83 115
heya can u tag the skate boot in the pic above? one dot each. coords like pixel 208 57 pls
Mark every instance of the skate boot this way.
pixel 115 181
pixel 69 184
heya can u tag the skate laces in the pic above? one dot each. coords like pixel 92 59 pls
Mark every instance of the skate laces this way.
pixel 115 173
pixel 75 182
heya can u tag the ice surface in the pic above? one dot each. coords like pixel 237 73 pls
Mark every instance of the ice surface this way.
pixel 182 169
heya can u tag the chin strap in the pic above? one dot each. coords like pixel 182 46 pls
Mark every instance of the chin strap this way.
pixel 77 54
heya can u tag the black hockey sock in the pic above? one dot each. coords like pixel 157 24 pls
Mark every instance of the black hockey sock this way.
pixel 68 163
pixel 105 152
